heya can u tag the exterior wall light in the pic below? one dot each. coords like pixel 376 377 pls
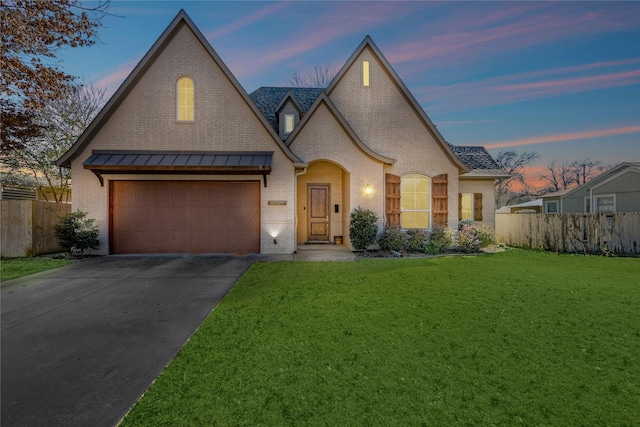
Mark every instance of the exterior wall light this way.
pixel 367 190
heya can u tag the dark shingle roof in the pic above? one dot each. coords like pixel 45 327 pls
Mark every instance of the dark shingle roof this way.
pixel 476 157
pixel 267 100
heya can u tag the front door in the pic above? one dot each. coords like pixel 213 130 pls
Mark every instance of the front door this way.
pixel 318 213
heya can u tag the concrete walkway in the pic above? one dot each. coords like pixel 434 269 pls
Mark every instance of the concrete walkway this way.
pixel 315 252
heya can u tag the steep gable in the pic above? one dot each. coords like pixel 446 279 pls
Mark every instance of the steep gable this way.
pixel 150 90
pixel 382 110
pixel 326 118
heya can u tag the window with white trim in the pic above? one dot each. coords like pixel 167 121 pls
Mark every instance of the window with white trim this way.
pixel 185 111
pixel 288 123
pixel 365 73
pixel 587 205
pixel 551 206
pixel 605 203
pixel 415 201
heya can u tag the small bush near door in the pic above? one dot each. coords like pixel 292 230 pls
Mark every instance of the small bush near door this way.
pixel 76 233
pixel 363 228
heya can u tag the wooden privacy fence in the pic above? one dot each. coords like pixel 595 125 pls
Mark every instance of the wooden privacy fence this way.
pixel 26 227
pixel 591 233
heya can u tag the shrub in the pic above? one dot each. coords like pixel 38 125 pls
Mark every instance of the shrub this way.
pixel 416 239
pixel 472 237
pixel 392 239
pixel 363 228
pixel 440 239
pixel 76 233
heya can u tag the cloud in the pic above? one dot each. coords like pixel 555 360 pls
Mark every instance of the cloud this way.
pixel 115 77
pixel 340 20
pixel 519 87
pixel 472 34
pixel 244 21
pixel 445 123
pixel 562 137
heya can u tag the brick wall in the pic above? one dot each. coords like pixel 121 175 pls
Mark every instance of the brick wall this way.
pixel 146 120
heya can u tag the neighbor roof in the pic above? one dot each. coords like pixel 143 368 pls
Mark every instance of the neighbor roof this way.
pixel 268 99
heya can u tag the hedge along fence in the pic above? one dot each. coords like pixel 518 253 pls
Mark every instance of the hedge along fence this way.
pixel 26 227
pixel 591 233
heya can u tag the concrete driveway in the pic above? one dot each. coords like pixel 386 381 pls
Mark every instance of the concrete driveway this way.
pixel 80 344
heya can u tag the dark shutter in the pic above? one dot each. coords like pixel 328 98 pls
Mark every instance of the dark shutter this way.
pixel 440 200
pixel 392 191
pixel 459 206
pixel 477 206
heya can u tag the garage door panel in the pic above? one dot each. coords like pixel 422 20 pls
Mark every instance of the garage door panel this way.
pixel 185 217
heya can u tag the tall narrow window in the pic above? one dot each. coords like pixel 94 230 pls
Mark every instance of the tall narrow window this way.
pixel 185 108
pixel 365 73
pixel 466 203
pixel 415 201
pixel 288 123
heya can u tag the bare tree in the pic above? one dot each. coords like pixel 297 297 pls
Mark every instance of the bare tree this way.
pixel 558 177
pixel 569 174
pixel 515 187
pixel 320 76
pixel 62 121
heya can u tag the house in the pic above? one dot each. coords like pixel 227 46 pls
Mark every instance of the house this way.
pixel 616 190
pixel 182 160
pixel 532 206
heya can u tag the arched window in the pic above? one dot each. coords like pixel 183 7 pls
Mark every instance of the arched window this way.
pixel 415 201
pixel 185 108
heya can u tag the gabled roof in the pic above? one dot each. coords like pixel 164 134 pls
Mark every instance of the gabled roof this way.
pixel 594 182
pixel 324 99
pixel 270 99
pixel 479 161
pixel 145 63
pixel 368 43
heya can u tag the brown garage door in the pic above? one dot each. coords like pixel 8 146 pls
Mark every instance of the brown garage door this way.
pixel 185 217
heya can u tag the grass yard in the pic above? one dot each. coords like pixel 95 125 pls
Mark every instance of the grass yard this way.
pixel 514 338
pixel 14 268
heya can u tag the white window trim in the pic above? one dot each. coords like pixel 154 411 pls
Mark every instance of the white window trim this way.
pixel 293 123
pixel 587 200
pixel 603 196
pixel 549 202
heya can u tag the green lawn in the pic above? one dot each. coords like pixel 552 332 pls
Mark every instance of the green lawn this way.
pixel 13 268
pixel 514 338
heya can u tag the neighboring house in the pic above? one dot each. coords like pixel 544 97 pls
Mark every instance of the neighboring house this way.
pixel 617 190
pixel 532 206
pixel 181 159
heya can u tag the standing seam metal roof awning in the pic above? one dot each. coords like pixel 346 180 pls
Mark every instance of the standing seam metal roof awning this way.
pixel 179 162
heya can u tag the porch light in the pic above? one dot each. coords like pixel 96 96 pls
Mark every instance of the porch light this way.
pixel 367 190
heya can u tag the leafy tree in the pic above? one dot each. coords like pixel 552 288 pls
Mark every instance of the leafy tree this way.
pixel 515 187
pixel 61 122
pixel 320 76
pixel 31 34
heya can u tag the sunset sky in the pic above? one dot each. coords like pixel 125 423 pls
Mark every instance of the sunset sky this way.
pixel 558 78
